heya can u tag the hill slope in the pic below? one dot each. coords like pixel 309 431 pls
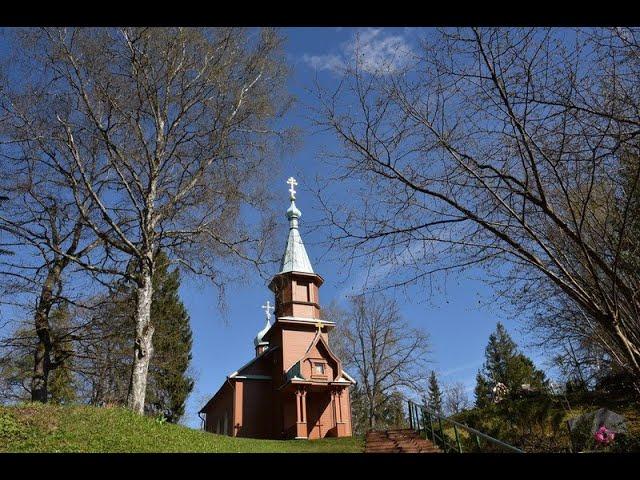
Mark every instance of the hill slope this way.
pixel 50 428
pixel 539 423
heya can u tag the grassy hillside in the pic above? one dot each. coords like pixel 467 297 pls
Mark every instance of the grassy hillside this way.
pixel 49 428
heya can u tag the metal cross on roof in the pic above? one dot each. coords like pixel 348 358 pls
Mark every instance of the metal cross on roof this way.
pixel 267 309
pixel 292 191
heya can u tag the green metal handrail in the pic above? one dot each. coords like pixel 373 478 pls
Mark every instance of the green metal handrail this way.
pixel 421 417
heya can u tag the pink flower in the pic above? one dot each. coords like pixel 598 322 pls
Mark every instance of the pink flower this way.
pixel 604 436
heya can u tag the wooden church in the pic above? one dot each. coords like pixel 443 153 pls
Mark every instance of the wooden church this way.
pixel 295 386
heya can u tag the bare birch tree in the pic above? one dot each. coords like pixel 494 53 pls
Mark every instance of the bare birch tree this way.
pixel 161 135
pixel 386 354
pixel 502 148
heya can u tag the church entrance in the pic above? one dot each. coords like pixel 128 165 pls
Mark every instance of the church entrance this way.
pixel 320 422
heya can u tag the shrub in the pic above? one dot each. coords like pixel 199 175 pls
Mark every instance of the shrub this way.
pixel 9 428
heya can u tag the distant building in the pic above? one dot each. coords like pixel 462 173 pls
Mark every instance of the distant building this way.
pixel 295 386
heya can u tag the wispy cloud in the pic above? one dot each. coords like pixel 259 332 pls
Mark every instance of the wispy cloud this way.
pixel 373 50
pixel 461 368
pixel 329 61
pixel 374 275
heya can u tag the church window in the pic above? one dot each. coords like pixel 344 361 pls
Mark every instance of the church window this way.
pixel 318 368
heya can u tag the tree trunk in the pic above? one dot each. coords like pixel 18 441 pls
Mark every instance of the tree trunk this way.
pixel 42 359
pixel 372 417
pixel 42 355
pixel 143 347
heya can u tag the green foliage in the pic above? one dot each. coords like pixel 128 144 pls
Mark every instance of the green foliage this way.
pixel 55 428
pixel 389 412
pixel 16 368
pixel 505 364
pixel 168 384
pixel 62 380
pixel 625 442
pixel 434 397
pixel 482 390
pixel 9 427
pixel 532 424
pixel 359 411
pixel 581 435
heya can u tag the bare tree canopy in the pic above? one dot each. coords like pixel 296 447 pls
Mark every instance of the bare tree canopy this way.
pixel 513 149
pixel 456 398
pixel 384 352
pixel 160 136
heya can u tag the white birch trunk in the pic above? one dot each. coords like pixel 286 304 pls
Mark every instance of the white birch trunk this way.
pixel 143 348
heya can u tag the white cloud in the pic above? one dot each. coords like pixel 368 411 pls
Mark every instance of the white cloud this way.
pixel 378 53
pixel 324 62
pixel 372 50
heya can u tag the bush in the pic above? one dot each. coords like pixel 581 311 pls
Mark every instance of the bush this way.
pixel 9 428
pixel 533 424
pixel 625 443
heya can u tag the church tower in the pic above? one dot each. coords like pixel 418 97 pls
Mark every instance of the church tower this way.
pixel 310 370
pixel 296 288
pixel 296 285
pixel 295 386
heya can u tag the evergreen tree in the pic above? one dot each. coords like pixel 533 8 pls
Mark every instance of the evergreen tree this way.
pixel 434 399
pixel 505 364
pixel 16 365
pixel 392 411
pixel 62 380
pixel 389 414
pixel 482 390
pixel 170 385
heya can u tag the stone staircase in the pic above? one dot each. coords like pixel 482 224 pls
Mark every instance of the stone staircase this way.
pixel 398 441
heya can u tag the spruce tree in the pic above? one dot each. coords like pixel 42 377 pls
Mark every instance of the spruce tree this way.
pixel 169 383
pixel 505 364
pixel 435 395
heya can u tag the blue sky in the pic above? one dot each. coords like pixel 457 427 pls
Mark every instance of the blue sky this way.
pixel 456 317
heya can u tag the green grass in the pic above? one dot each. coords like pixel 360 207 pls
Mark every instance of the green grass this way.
pixel 50 428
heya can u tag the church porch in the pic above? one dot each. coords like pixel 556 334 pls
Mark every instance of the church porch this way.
pixel 321 409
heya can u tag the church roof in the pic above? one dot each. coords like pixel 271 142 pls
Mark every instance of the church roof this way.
pixel 259 337
pixel 268 351
pixel 295 258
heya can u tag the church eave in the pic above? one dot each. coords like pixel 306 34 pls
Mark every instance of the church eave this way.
pixel 314 276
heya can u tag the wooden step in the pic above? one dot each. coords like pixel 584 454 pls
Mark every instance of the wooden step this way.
pixel 404 440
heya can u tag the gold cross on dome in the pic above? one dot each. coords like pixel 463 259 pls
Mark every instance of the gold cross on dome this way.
pixel 319 325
